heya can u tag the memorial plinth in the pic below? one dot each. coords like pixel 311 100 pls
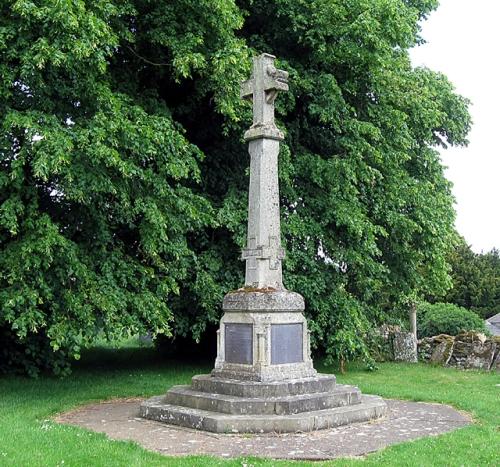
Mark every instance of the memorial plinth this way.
pixel 263 337
pixel 264 379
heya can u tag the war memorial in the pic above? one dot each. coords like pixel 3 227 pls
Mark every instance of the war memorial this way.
pixel 264 379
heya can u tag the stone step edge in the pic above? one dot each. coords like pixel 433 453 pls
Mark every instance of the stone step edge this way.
pixel 185 389
pixel 370 408
pixel 185 396
pixel 240 388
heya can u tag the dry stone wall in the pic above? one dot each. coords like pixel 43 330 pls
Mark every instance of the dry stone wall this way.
pixel 468 350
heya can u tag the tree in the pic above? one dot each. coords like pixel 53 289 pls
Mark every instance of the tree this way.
pixel 488 300
pixel 476 280
pixel 124 174
pixel 97 179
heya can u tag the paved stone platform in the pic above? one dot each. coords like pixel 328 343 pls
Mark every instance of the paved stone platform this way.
pixel 405 421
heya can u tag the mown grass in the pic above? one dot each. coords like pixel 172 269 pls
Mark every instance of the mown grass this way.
pixel 28 437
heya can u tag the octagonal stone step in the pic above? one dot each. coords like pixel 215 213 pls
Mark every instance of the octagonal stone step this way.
pixel 185 396
pixel 231 387
pixel 370 408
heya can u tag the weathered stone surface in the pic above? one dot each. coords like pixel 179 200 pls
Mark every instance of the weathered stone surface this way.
pixel 468 350
pixel 471 337
pixel 387 330
pixel 496 361
pixel 443 351
pixel 264 253
pixel 405 421
pixel 265 373
pixel 493 325
pixel 391 343
pixel 269 301
pixel 464 346
pixel 306 404
pixel 370 408
pixel 425 348
pixel 320 383
pixel 404 347
pixel 263 305
pixel 185 396
pixel 481 356
pixel 436 349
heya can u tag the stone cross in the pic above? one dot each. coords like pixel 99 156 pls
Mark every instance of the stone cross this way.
pixel 264 254
pixel 263 88
pixel 263 344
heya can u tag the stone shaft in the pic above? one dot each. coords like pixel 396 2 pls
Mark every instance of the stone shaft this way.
pixel 263 253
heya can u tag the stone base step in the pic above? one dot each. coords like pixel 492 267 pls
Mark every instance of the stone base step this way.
pixel 185 396
pixel 231 387
pixel 370 407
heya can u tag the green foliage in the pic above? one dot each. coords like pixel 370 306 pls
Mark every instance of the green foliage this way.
pixel 123 172
pixel 378 347
pixel 446 318
pixel 97 196
pixel 476 280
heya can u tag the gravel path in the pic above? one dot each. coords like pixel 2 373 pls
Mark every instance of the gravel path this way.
pixel 406 421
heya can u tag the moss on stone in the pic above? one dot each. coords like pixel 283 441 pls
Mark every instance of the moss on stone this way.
pixel 248 289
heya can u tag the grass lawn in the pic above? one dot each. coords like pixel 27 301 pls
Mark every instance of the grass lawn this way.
pixel 29 438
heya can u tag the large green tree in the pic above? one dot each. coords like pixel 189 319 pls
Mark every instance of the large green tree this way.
pixel 124 174
pixel 476 280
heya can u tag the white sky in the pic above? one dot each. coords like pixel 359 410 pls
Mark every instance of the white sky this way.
pixel 463 41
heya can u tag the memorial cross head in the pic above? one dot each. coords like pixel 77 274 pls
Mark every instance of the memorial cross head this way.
pixel 263 88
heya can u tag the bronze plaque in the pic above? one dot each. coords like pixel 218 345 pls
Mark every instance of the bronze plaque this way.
pixel 238 343
pixel 286 343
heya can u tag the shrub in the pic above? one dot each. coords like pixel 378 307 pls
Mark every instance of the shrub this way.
pixel 447 318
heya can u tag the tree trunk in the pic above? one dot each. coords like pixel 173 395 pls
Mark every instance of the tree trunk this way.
pixel 413 325
pixel 413 319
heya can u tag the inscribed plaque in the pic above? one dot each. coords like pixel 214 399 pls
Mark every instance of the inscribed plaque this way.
pixel 239 343
pixel 286 343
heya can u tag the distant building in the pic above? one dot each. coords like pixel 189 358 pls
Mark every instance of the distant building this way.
pixel 493 324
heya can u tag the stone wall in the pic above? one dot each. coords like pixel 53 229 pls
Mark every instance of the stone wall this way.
pixel 468 350
pixel 390 342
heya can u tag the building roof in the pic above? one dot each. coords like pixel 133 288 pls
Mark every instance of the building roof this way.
pixel 493 324
pixel 495 319
pixel 494 329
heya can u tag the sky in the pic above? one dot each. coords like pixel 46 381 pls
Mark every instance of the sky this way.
pixel 463 42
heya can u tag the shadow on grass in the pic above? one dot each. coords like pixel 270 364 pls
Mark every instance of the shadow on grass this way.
pixel 104 359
